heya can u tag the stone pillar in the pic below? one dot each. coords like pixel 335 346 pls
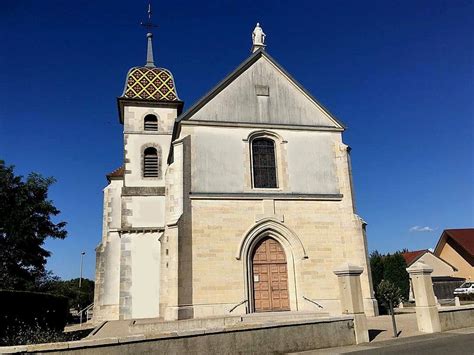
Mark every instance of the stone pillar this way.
pixel 426 311
pixel 350 291
pixel 457 303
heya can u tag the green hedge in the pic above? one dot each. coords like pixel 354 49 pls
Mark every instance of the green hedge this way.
pixel 23 308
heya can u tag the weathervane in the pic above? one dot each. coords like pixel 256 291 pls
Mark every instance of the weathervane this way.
pixel 149 25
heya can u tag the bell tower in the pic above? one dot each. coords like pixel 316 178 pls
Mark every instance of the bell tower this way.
pixel 148 108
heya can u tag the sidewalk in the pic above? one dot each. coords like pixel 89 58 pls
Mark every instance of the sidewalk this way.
pixel 380 328
pixel 418 344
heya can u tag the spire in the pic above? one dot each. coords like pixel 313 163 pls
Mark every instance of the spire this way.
pixel 258 38
pixel 149 51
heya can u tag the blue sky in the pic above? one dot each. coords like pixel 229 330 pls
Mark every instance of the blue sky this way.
pixel 398 73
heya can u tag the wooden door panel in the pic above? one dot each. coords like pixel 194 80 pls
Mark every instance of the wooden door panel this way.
pixel 270 284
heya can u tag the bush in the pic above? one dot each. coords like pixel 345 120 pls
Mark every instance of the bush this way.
pixel 390 295
pixel 23 334
pixel 78 297
pixel 20 310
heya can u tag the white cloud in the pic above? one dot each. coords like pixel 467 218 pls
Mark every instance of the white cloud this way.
pixel 421 229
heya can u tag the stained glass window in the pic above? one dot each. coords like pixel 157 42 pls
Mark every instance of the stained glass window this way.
pixel 264 168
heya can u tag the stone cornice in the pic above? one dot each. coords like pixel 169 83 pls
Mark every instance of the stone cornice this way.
pixel 143 191
pixel 260 125
pixel 263 195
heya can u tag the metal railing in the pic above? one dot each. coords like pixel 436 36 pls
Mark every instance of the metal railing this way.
pixel 237 305
pixel 314 302
pixel 87 311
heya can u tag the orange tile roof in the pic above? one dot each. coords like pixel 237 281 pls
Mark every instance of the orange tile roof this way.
pixel 117 173
pixel 463 237
pixel 411 256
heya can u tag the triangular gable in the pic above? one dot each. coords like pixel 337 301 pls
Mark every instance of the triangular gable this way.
pixel 412 257
pixel 463 238
pixel 261 91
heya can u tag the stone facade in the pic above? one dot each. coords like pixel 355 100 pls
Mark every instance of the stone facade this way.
pixel 180 245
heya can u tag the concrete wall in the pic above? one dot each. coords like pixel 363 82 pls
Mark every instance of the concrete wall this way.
pixel 146 211
pixel 128 259
pixel 111 254
pixel 449 254
pixel 139 275
pixel 221 161
pixel 145 267
pixel 107 277
pixel 136 140
pixel 456 317
pixel 134 115
pixel 318 234
pixel 254 339
pixel 440 267
pixel 219 278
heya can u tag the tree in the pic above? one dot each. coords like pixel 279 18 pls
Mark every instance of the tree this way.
pixel 377 268
pixel 390 267
pixel 390 295
pixel 25 223
pixel 395 271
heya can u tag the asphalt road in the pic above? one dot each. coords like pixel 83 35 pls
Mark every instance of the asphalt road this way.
pixel 454 342
pixel 438 344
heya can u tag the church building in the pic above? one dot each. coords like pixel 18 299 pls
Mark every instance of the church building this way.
pixel 242 203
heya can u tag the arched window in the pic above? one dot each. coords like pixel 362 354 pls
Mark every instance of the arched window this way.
pixel 151 123
pixel 150 162
pixel 263 161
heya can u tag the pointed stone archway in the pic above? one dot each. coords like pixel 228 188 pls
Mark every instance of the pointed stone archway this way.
pixel 292 248
pixel 269 286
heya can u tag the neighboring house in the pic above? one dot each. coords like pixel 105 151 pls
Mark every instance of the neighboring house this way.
pixel 242 203
pixel 456 246
pixel 440 266
pixel 443 274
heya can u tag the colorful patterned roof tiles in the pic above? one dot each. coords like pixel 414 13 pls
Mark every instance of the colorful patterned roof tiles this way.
pixel 150 83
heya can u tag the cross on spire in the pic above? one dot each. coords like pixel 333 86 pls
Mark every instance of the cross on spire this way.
pixel 149 25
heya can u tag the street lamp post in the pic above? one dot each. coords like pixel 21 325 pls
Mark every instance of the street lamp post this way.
pixel 82 260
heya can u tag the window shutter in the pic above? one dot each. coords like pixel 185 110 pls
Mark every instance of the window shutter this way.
pixel 151 123
pixel 150 163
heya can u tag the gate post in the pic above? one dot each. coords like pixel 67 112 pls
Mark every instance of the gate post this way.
pixel 427 315
pixel 350 292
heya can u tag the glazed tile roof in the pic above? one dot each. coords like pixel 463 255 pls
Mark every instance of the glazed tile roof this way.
pixel 150 83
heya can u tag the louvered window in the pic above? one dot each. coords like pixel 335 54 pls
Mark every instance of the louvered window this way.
pixel 151 123
pixel 150 163
pixel 263 159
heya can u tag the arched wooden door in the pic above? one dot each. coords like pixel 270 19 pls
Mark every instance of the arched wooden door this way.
pixel 270 277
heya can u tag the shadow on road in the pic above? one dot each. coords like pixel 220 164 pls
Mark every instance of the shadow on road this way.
pixel 374 332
